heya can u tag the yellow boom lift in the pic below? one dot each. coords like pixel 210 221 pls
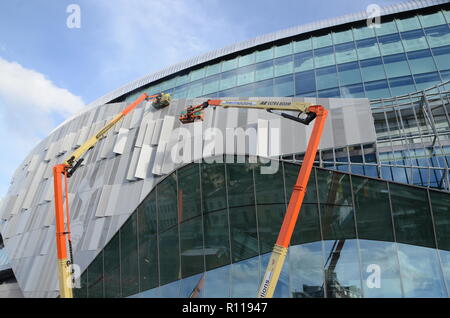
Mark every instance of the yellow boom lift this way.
pixel 66 170
pixel 307 113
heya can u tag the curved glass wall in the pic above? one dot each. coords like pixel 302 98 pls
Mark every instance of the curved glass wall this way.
pixel 403 55
pixel 212 227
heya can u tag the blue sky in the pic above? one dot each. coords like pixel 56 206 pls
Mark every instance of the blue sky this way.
pixel 48 71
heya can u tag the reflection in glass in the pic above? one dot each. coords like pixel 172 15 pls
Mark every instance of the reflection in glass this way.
pixel 217 244
pixel 420 271
pixel 112 268
pixel 306 271
pixel 129 257
pixel 380 269
pixel 412 218
pixel 95 277
pixel 245 278
pixel 217 283
pixel 342 275
pixel 373 212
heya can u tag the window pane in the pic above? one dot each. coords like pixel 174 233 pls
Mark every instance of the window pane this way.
pixel 180 80
pixel 244 278
pixel 408 24
pixel 264 88
pixel 432 19
pixel 264 55
pixel 303 61
pixel 284 86
pixel 322 41
pixel 380 256
pixel 420 271
pixel 349 73
pixel 244 91
pixel 442 57
pixel 82 291
pixel 372 70
pixel 401 85
pixel 414 40
pixel 244 242
pixel 195 90
pixel 305 82
pixel 303 45
pixel 189 192
pixel 264 71
pixel 95 277
pixel 217 283
pixel 329 93
pixel 180 92
pixel 447 15
pixel 377 89
pixel 306 274
pixel 345 52
pixel 386 28
pixel 412 216
pixel 363 33
pixel 129 257
pixel 112 268
pixel 390 44
pixel 342 37
pixel 324 57
pixel 148 249
pixel 197 74
pixel 246 75
pixel 353 91
pixel 438 36
pixel 211 84
pixel 169 256
pixel 213 187
pixel 167 203
pixel 342 274
pixel 217 243
pixel 440 204
pixel 367 48
pixel 334 188
pixel 283 50
pixel 373 213
pixel 228 80
pixel 326 77
pixel 191 247
pixel 396 65
pixel 229 65
pixel 283 66
pixel 191 284
pixel 213 69
pixel 426 80
pixel 246 59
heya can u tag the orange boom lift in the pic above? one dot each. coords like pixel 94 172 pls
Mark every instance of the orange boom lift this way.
pixel 312 112
pixel 66 170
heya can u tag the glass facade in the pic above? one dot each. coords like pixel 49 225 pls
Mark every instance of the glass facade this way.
pixel 213 226
pixel 403 55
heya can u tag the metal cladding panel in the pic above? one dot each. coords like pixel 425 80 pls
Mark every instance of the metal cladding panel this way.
pixel 119 147
pixel 143 162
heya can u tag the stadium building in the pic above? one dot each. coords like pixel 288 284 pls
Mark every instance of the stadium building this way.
pixel 376 217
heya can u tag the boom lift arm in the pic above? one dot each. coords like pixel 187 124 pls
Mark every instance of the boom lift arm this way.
pixel 312 112
pixel 66 169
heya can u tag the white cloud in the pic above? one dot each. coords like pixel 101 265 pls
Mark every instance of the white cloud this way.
pixel 30 107
pixel 150 35
pixel 19 85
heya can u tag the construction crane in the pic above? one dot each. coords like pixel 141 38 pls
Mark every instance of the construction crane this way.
pixel 66 170
pixel 307 113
